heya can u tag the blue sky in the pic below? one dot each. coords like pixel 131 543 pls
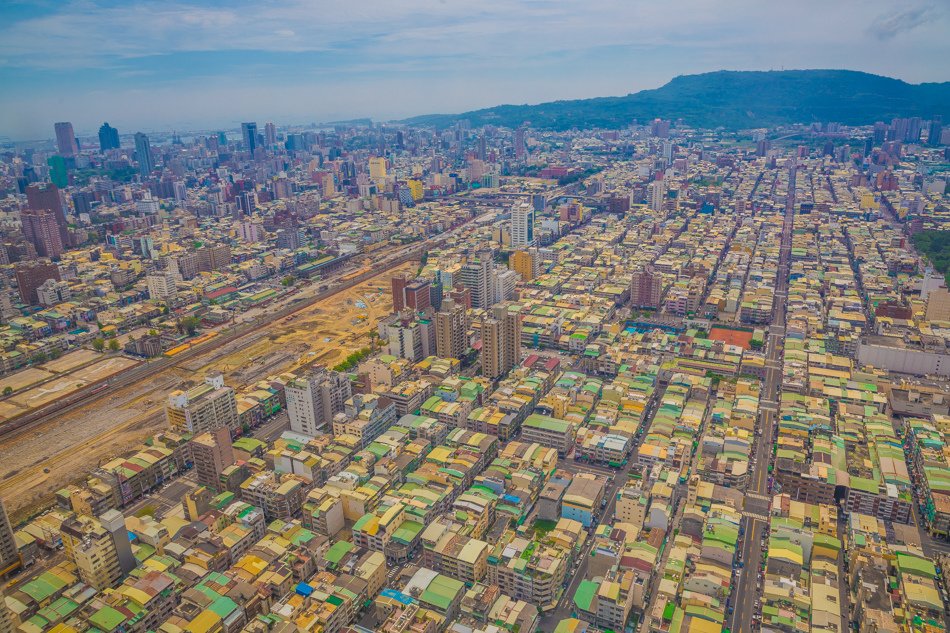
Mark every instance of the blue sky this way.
pixel 180 64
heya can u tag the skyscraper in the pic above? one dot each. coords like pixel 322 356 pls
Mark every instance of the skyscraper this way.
pixel 66 139
pixel 522 225
pixel 57 171
pixel 450 330
pixel 143 154
pixel 108 137
pixel 270 134
pixel 249 132
pixel 521 149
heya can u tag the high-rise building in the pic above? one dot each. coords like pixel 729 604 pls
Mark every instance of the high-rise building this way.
pixel 99 548
pixel 522 225
pixel 143 154
pixel 501 340
pixel 313 400
pixel 66 139
pixel 203 408
pixel 9 556
pixel 108 137
pixel 657 193
pixel 212 453
pixel 451 330
pixel 47 197
pixel 270 134
pixel 377 168
pixel 418 295
pixel 521 149
pixel 249 132
pixel 525 263
pixel 646 288
pixel 475 276
pixel 58 174
pixel 31 276
pixel 288 239
pixel 399 282
pixel 162 286
pixel 41 228
pixel 935 131
pixel 405 338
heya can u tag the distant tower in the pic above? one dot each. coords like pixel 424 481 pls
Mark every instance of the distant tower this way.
pixel 520 148
pixel 935 131
pixel 143 154
pixel 249 131
pixel 108 137
pixel 66 139
pixel 270 134
pixel 657 193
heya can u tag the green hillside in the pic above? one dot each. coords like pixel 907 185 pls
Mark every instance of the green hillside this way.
pixel 731 99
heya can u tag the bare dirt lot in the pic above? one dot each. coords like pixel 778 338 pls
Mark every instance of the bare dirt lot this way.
pixel 75 443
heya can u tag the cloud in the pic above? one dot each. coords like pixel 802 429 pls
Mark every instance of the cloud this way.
pixel 176 62
pixel 890 25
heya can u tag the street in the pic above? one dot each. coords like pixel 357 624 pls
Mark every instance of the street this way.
pixel 757 504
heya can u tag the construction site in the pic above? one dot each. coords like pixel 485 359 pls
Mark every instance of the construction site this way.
pixel 46 456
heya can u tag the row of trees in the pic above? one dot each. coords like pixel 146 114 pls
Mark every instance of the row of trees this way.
pixel 353 360
pixel 936 246
pixel 99 344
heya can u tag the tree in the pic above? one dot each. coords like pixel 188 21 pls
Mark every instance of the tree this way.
pixel 189 325
pixel 7 390
pixel 287 281
pixel 114 345
pixel 98 344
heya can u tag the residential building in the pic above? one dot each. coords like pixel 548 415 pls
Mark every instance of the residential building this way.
pixel 203 408
pixel 162 285
pixel 211 452
pixel 99 548
pixel 314 398
pixel 451 330
pixel 501 340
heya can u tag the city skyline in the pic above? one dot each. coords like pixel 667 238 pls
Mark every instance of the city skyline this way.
pixel 295 64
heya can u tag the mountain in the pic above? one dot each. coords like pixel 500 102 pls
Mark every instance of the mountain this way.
pixel 733 100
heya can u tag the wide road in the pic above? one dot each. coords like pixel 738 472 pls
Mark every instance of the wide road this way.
pixel 755 517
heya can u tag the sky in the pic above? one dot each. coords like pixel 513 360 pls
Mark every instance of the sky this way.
pixel 188 65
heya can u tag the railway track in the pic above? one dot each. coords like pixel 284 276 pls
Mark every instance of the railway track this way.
pixel 247 333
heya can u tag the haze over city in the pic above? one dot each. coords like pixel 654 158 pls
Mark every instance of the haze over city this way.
pixel 495 317
pixel 197 65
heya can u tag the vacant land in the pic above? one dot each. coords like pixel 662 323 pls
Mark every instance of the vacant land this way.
pixel 75 443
